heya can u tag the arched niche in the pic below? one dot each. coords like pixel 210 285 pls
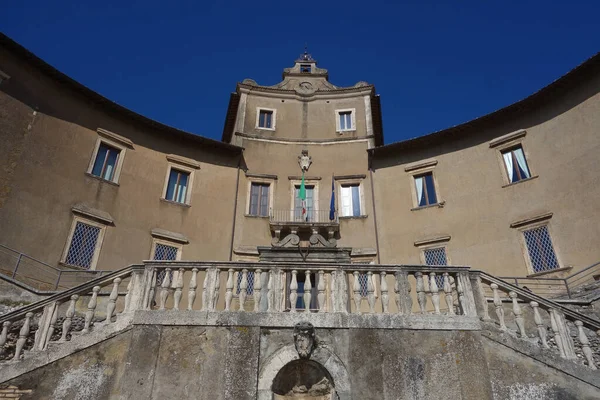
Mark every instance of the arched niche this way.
pixel 303 379
pixel 322 355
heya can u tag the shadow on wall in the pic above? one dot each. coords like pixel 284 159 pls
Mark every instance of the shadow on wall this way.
pixel 304 379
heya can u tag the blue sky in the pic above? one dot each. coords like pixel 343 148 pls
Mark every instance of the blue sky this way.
pixel 435 64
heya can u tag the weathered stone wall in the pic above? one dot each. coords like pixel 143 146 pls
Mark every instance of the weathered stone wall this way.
pixel 194 362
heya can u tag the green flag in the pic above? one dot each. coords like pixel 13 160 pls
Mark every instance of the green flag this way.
pixel 302 192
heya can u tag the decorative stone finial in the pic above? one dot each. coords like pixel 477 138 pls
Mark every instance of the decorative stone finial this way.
pixel 306 56
pixel 304 339
pixel 304 160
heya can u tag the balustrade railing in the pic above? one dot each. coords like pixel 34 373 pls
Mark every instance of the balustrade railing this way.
pixel 76 311
pixel 353 288
pixel 310 216
pixel 514 309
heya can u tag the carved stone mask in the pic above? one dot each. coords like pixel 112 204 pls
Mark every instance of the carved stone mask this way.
pixel 304 339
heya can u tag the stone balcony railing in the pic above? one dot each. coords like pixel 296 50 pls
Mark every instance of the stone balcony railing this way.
pixel 276 295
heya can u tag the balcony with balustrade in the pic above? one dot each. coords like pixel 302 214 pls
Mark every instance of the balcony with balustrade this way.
pixel 289 227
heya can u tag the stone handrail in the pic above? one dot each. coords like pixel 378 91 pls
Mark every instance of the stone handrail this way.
pixel 557 321
pixel 45 314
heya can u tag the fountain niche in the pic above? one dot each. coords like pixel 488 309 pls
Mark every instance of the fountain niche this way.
pixel 303 380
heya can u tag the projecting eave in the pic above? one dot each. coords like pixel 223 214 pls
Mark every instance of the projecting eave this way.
pixel 110 106
pixel 550 93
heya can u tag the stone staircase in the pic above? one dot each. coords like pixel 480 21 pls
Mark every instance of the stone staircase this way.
pixel 395 297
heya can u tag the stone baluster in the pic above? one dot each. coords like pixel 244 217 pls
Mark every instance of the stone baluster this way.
pixel 516 308
pixel 270 292
pixel 205 291
pixel 537 318
pixel 152 291
pixel 585 345
pixel 397 294
pixel 164 289
pixel 128 294
pixel 178 289
pixel 112 300
pixel 280 279
pixel 448 294
pixel 385 300
pixel 68 318
pixel 216 289
pixel 371 292
pixel 293 291
pixel 257 289
pixel 498 305
pixel 4 334
pixel 23 333
pixel 356 290
pixel 557 337
pixel 461 296
pixel 91 309
pixel 321 291
pixel 192 289
pixel 229 290
pixel 307 291
pixel 243 289
pixel 52 326
pixel 421 295
pixel 435 296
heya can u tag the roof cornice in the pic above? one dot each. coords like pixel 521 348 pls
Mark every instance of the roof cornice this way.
pixel 96 98
pixel 542 96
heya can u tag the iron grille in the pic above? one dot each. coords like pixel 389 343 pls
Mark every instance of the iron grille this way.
pixel 436 256
pixel 164 252
pixel 250 288
pixel 83 245
pixel 540 249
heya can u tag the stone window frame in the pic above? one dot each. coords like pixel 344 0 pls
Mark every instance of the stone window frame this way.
pixel 535 222
pixel 307 182
pixel 156 240
pixel 352 111
pixel 113 140
pixel 182 164
pixel 433 243
pixel 508 142
pixel 273 118
pixel 414 170
pixel 88 221
pixel 271 181
pixel 350 181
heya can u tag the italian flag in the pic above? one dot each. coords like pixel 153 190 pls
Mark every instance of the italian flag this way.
pixel 302 196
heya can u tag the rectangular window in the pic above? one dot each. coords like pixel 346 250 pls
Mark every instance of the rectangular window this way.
pixel 363 280
pixel 305 68
pixel 105 165
pixel 345 120
pixel 82 248
pixel 350 201
pixel 425 190
pixel 177 186
pixel 540 249
pixel 164 252
pixel 265 119
pixel 259 199
pixel 308 213
pixel 516 165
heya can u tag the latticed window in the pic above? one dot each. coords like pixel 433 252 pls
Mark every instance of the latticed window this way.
pixel 363 280
pixel 164 252
pixel 540 249
pixel 83 245
pixel 250 288
pixel 436 256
